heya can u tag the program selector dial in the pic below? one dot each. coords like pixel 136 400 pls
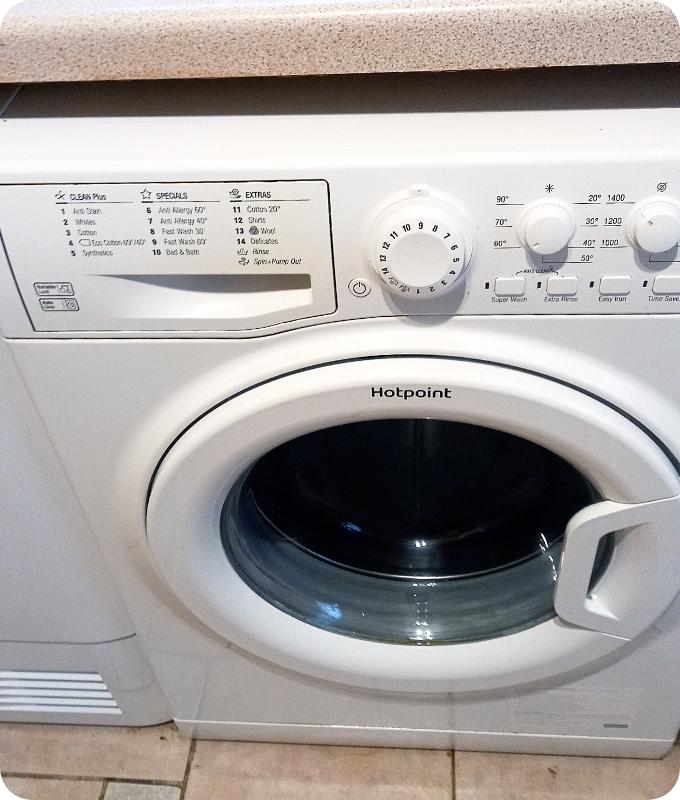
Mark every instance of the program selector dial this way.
pixel 654 225
pixel 546 227
pixel 418 247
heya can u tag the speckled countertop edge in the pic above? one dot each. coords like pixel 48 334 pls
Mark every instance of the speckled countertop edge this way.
pixel 70 40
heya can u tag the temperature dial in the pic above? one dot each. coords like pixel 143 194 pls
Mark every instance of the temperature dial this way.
pixel 654 225
pixel 418 247
pixel 546 228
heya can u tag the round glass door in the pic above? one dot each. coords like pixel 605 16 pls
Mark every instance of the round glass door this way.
pixel 408 531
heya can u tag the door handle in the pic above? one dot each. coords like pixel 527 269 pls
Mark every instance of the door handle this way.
pixel 642 578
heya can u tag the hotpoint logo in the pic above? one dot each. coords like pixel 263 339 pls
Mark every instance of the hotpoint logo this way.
pixel 408 394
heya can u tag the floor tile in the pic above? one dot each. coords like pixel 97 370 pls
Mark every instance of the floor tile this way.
pixel 250 771
pixel 157 753
pixel 491 776
pixel 46 789
pixel 140 791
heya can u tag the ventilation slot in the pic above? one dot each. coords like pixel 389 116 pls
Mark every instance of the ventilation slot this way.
pixel 56 692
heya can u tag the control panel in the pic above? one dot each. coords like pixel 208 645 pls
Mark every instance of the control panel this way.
pixel 570 251
pixel 245 225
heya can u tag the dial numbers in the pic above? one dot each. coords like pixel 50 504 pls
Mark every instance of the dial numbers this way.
pixel 420 256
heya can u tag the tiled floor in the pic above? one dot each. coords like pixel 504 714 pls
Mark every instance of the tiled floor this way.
pixel 76 763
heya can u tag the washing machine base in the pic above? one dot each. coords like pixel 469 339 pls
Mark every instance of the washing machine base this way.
pixel 427 739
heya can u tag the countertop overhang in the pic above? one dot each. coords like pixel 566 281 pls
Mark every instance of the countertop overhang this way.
pixel 84 40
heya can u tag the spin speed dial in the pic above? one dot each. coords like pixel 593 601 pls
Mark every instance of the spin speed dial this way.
pixel 654 225
pixel 418 247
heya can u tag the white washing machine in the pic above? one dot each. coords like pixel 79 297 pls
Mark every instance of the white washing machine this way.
pixel 368 389
pixel 68 648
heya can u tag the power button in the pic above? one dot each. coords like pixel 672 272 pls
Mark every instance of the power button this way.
pixel 359 287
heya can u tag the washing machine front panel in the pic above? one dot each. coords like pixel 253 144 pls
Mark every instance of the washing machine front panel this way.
pixel 389 407
pixel 405 522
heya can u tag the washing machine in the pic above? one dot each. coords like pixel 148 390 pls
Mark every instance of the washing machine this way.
pixel 69 652
pixel 367 389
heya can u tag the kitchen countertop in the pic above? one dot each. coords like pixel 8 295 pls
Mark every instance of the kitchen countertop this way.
pixel 81 40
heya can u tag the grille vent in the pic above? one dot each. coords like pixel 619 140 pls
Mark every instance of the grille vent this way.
pixel 56 693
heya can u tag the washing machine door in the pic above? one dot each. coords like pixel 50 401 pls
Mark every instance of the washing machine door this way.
pixel 419 524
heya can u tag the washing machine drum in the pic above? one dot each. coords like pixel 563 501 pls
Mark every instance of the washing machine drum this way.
pixel 406 530
pixel 418 524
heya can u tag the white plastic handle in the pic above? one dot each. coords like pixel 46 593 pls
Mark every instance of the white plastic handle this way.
pixel 642 578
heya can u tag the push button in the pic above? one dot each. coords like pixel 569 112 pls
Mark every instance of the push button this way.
pixel 513 286
pixel 563 285
pixel 666 284
pixel 615 284
pixel 359 287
